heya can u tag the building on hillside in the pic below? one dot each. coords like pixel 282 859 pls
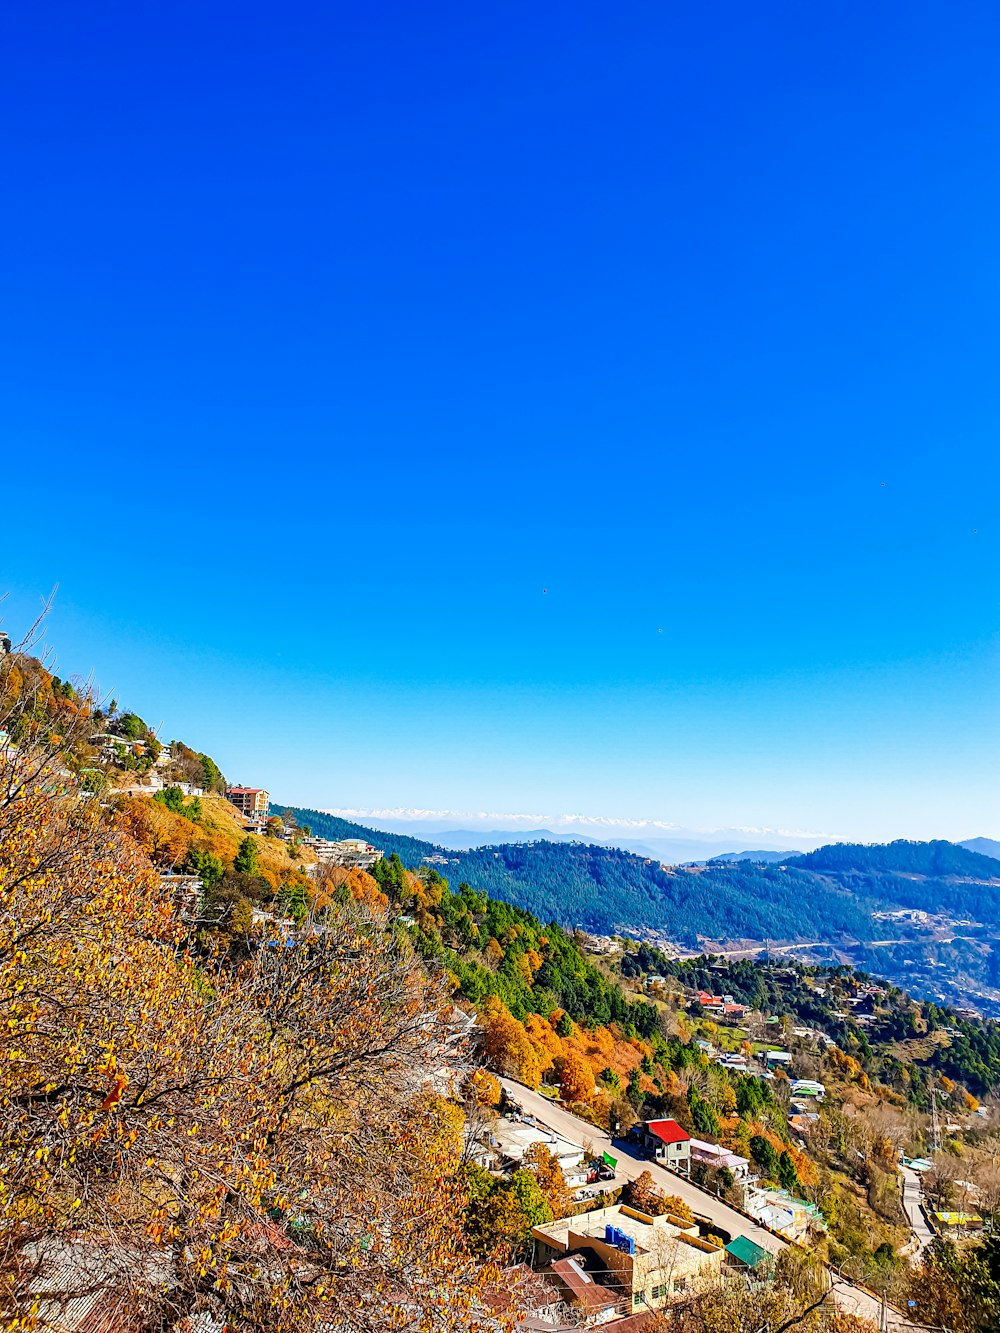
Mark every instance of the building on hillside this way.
pixel 352 853
pixel 783 1213
pixel 580 1280
pixel 5 644
pixel 536 1296
pixel 254 803
pixel 953 1222
pixel 185 892
pixel 808 1087
pixel 713 1154
pixel 506 1141
pixel 731 1060
pixel 778 1057
pixel 667 1142
pixel 744 1256
pixel 114 748
pixel 645 1259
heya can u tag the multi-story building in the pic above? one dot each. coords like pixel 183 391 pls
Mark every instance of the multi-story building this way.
pixel 349 852
pixel 645 1259
pixel 253 802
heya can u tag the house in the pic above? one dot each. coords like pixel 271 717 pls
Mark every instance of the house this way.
pixel 808 1087
pixel 803 1122
pixel 743 1256
pixel 185 891
pixel 778 1057
pixel 252 802
pixel 579 1278
pixel 534 1294
pixel 507 1141
pixel 732 1061
pixel 644 1259
pixel 783 1213
pixel 959 1221
pixel 713 1154
pixel 667 1142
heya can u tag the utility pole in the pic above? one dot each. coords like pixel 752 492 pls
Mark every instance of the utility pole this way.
pixel 935 1133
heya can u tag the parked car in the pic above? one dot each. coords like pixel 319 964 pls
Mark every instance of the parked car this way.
pixel 605 1173
pixel 580 1195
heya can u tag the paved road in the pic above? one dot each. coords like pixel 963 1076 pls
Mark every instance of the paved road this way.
pixel 849 1298
pixel 911 1206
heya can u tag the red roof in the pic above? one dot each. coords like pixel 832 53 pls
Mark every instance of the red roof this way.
pixel 668 1130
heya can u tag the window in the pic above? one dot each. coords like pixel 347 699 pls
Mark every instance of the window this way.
pixel 637 1298
pixel 680 1283
pixel 659 1292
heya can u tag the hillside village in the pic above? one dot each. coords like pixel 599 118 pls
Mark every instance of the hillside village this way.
pixel 634 1132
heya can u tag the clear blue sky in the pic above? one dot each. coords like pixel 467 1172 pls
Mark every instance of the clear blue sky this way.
pixel 334 335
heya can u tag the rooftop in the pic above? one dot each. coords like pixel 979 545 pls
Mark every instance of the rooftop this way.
pixel 668 1130
pixel 744 1249
pixel 572 1271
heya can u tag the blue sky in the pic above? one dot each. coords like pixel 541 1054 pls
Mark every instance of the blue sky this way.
pixel 561 409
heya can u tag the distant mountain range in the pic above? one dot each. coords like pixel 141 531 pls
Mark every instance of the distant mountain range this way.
pixel 682 848
pixel 761 857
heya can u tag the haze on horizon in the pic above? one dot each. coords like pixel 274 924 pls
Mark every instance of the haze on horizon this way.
pixel 573 411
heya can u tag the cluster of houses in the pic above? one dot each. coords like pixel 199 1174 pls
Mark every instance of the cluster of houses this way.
pixel 352 853
pixel 616 1264
pixel 721 1006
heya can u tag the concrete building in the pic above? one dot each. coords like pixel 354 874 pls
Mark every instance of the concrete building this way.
pixel 349 852
pixel 506 1142
pixel 783 1212
pixel 713 1154
pixel 645 1259
pixel 667 1143
pixel 252 802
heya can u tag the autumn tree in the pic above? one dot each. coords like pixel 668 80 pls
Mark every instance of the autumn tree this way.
pixel 500 1213
pixel 643 1194
pixel 576 1078
pixel 184 1135
pixel 544 1165
pixel 506 1045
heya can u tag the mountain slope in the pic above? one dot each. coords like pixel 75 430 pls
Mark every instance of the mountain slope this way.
pixel 605 889
pixel 938 858
pixel 985 846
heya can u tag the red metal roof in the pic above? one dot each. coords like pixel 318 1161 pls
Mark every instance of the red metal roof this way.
pixel 668 1130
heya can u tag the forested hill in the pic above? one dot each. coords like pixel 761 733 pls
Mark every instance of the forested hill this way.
pixel 938 859
pixel 605 889
pixel 825 895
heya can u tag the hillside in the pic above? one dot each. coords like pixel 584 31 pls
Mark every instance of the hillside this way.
pixel 938 858
pixel 604 889
pixel 864 902
pixel 985 846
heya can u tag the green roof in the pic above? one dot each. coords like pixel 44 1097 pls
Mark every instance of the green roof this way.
pixel 747 1252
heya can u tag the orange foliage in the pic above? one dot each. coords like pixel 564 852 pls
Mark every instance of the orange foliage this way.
pixel 506 1044
pixel 364 889
pixel 576 1078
